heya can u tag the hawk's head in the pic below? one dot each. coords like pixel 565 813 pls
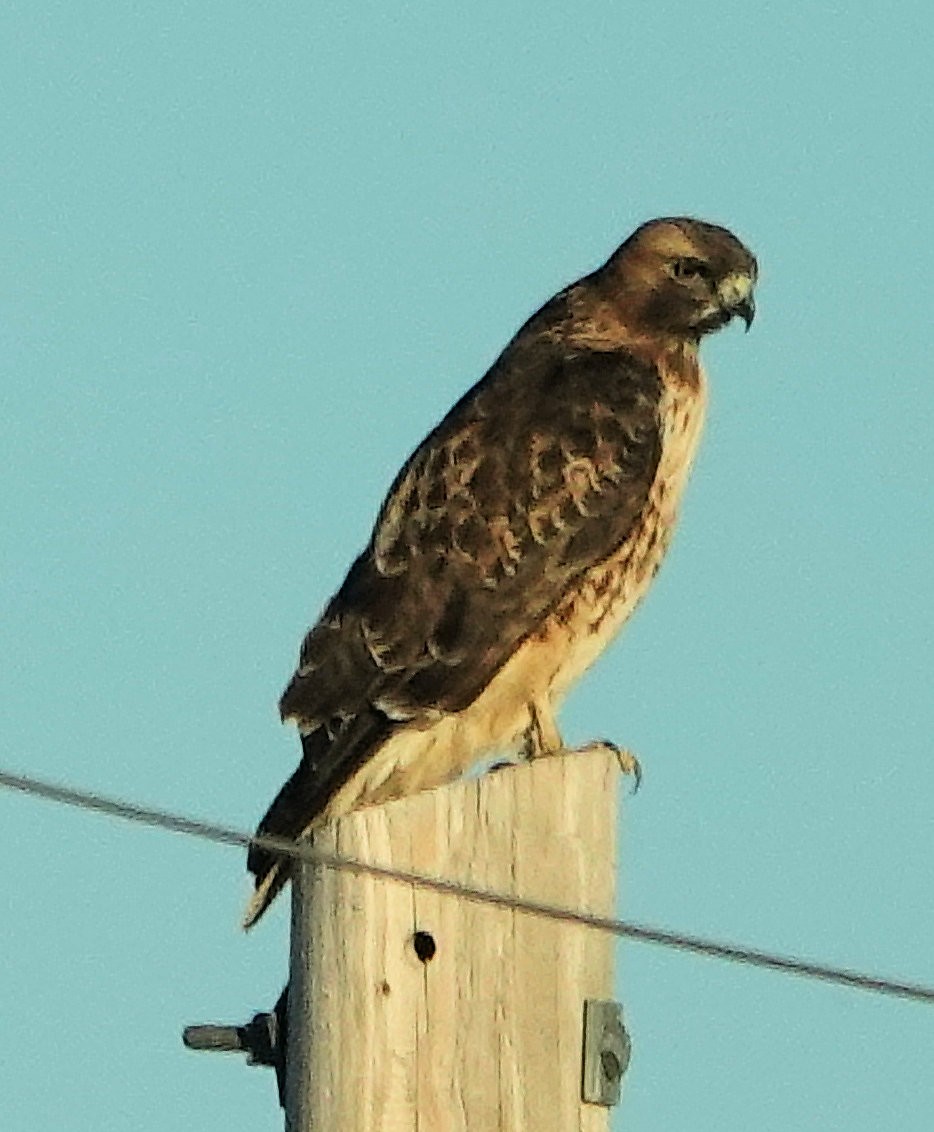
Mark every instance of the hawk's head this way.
pixel 682 277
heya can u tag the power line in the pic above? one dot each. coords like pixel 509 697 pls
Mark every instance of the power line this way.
pixel 302 851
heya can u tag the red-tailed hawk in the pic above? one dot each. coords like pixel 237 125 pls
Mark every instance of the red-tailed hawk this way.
pixel 515 541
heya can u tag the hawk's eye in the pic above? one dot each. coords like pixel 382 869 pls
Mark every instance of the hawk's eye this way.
pixel 690 268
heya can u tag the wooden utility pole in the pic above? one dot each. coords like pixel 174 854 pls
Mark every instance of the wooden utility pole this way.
pixel 413 1011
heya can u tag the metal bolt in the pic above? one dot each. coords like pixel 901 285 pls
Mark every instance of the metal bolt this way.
pixel 607 1049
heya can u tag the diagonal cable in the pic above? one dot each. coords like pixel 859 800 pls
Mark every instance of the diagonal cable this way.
pixel 306 853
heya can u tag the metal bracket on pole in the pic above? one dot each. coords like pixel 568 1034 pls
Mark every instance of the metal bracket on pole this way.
pixel 263 1040
pixel 607 1050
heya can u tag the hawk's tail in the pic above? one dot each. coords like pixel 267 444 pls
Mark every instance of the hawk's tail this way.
pixel 300 805
pixel 292 811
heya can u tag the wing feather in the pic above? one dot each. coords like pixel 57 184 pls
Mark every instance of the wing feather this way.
pixel 540 472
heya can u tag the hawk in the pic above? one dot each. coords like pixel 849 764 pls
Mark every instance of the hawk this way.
pixel 515 541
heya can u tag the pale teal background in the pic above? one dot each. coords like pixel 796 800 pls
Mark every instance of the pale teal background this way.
pixel 248 255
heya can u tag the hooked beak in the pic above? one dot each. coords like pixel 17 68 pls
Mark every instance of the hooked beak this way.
pixel 736 297
pixel 746 311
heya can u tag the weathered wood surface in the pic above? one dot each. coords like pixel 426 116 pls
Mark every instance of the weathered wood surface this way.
pixel 486 1035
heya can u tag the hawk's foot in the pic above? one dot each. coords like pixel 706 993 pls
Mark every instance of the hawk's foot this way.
pixel 504 764
pixel 628 762
pixel 543 737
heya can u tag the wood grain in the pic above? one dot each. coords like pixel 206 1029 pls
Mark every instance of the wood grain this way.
pixel 486 1035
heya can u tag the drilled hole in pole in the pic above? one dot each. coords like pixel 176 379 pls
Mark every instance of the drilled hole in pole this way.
pixel 425 946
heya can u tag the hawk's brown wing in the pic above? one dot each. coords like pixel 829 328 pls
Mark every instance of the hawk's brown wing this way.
pixel 536 475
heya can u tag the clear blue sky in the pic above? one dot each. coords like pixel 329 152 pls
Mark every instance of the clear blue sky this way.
pixel 248 255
